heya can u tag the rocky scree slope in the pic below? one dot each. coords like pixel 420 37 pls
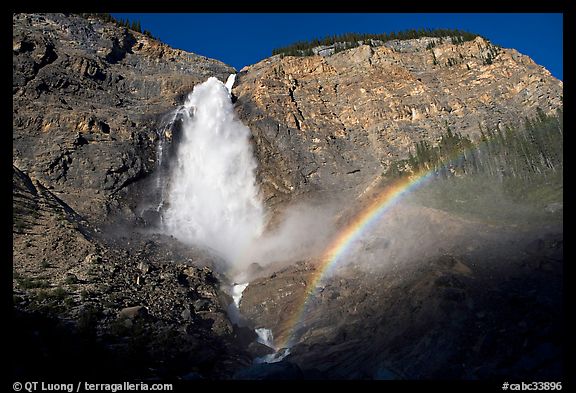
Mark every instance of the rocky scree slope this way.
pixel 332 123
pixel 136 305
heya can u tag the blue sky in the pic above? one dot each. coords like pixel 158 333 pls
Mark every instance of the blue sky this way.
pixel 244 39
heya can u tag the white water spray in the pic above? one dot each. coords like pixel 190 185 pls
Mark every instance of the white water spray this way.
pixel 265 337
pixel 237 291
pixel 234 308
pixel 213 199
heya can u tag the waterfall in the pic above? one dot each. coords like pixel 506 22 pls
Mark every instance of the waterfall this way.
pixel 212 198
pixel 165 128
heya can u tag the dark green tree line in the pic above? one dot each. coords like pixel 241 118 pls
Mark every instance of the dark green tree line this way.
pixel 350 40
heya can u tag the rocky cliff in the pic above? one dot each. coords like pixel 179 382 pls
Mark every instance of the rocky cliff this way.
pixel 319 122
pixel 335 122
pixel 88 97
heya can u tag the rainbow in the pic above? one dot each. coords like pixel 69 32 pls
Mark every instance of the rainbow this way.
pixel 339 247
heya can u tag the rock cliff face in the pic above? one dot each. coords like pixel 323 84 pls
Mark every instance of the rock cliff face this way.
pixel 336 122
pixel 88 97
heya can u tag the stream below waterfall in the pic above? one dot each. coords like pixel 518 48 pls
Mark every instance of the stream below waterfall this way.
pixel 264 335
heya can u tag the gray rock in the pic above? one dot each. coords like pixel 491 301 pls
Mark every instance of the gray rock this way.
pixel 258 350
pixel 93 259
pixel 186 314
pixel 201 305
pixel 133 312
pixel 144 267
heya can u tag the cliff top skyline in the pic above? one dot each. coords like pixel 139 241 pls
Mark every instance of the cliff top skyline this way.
pixel 245 39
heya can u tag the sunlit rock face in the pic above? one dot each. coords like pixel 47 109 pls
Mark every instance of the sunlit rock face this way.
pixel 333 122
